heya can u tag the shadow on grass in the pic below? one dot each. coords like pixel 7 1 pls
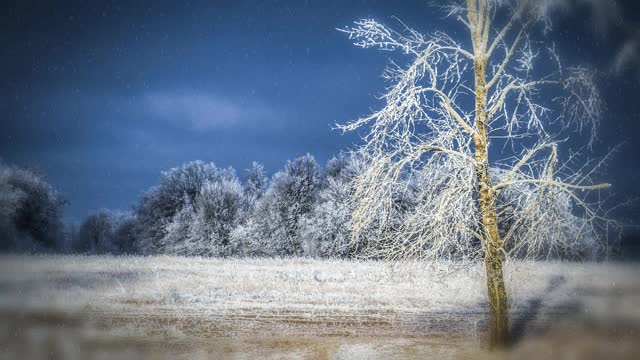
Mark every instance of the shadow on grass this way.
pixel 535 309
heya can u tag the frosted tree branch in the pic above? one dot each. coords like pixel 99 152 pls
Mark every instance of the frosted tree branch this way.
pixel 422 143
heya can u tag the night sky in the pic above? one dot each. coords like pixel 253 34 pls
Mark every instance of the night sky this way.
pixel 104 95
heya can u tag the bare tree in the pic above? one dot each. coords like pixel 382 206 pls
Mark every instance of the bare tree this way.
pixel 454 101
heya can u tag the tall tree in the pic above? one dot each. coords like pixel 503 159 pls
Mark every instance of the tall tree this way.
pixel 454 104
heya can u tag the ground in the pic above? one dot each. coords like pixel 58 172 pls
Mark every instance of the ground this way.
pixel 171 307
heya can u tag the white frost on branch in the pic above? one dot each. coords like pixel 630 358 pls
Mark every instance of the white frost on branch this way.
pixel 424 134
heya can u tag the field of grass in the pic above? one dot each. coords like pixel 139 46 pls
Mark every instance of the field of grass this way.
pixel 170 307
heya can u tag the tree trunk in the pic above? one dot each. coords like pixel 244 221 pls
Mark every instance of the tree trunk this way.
pixel 499 336
pixel 492 244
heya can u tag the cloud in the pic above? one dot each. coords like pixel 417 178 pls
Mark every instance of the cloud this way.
pixel 607 16
pixel 628 58
pixel 602 13
pixel 204 111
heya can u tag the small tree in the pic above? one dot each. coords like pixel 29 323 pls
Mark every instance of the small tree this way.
pixel 444 114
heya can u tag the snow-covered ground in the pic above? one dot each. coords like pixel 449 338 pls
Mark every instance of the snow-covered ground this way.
pixel 296 307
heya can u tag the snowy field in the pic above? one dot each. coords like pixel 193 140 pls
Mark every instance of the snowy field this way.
pixel 81 307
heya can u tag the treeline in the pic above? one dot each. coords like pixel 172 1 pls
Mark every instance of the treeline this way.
pixel 305 209
pixel 198 209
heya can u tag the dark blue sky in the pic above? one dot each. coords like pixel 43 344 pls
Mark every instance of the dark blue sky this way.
pixel 103 95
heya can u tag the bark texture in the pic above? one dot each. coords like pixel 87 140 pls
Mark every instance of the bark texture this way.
pixel 499 334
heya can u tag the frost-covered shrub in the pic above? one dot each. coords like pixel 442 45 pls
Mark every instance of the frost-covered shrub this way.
pixel 30 211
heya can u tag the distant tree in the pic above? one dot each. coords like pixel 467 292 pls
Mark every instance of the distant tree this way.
pixel 96 234
pixel 255 182
pixel 273 228
pixel 124 236
pixel 339 168
pixel 443 111
pixel 30 210
pixel 158 206
pixel 246 240
pixel 221 208
pixel 10 199
pixel 326 230
pixel 104 232
pixel 204 227
pixel 178 238
pixel 70 237
pixel 302 182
